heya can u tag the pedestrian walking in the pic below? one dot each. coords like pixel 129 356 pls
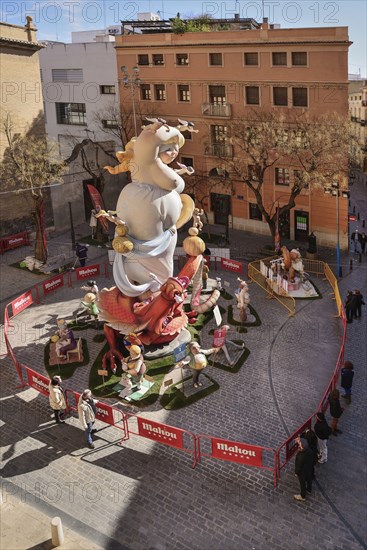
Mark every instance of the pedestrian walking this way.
pixel 311 439
pixel 303 468
pixel 359 302
pixel 347 374
pixel 336 411
pixel 82 252
pixel 350 306
pixel 57 399
pixel 322 431
pixel 356 241
pixel 87 415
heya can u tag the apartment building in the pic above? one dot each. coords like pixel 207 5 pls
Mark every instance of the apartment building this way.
pixel 22 107
pixel 80 93
pixel 358 115
pixel 211 78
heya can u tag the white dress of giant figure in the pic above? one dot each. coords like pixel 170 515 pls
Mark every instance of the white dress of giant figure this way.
pixel 152 208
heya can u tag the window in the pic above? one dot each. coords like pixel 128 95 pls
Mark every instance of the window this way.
pixel 281 176
pixel 145 92
pixel 107 89
pixel 252 95
pixel 183 92
pixel 299 96
pixel 217 95
pixel 254 211
pixel 299 58
pixel 215 59
pixel 187 161
pixel 251 172
pixel 158 59
pixel 67 75
pixel 219 133
pixel 252 58
pixel 299 178
pixel 182 59
pixel 279 58
pixel 143 59
pixel 71 113
pixel 160 92
pixel 280 96
pixel 109 123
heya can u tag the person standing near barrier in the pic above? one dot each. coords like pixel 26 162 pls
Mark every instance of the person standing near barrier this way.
pixel 359 303
pixel 311 439
pixel 57 399
pixel 350 306
pixel 336 411
pixel 322 431
pixel 347 374
pixel 303 468
pixel 87 415
pixel 82 252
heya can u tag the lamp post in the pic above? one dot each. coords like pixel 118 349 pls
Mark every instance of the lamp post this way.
pixel 336 192
pixel 133 81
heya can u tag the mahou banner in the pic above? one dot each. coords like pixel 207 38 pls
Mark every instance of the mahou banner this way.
pixel 160 432
pixel 87 272
pixel 38 381
pixel 231 265
pixel 236 452
pixel 22 302
pixel 104 412
pixel 53 284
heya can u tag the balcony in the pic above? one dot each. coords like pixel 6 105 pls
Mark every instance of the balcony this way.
pixel 364 102
pixel 363 122
pixel 219 150
pixel 213 109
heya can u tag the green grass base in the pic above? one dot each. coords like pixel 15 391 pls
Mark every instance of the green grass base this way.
pixel 66 370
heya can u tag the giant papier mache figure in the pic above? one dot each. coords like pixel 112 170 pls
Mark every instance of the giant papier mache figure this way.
pixel 147 298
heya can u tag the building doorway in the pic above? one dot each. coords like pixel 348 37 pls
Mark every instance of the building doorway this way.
pixel 301 225
pixel 285 225
pixel 221 206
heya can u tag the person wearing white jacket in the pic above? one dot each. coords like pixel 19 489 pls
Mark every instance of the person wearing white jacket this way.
pixel 57 398
pixel 87 415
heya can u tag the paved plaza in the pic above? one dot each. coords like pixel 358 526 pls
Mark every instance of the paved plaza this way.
pixel 143 495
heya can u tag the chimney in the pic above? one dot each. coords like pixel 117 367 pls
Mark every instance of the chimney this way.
pixel 265 23
pixel 236 16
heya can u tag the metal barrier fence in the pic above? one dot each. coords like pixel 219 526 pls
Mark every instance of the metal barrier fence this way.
pixel 178 438
pixel 257 277
pixel 250 455
pixel 241 453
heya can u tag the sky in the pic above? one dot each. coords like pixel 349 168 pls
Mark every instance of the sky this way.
pixel 56 19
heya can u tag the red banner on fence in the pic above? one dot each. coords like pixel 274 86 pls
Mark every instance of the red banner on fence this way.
pixel 231 265
pixel 13 241
pixel 104 412
pixel 291 444
pixel 38 381
pixel 22 302
pixel 87 272
pixel 236 452
pixel 160 432
pixel 53 284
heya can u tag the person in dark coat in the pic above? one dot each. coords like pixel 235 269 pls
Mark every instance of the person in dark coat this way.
pixel 322 431
pixel 359 302
pixel 311 439
pixel 303 468
pixel 336 411
pixel 347 374
pixel 350 306
pixel 82 252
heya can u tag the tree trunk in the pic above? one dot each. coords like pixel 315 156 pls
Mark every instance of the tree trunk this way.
pixel 40 248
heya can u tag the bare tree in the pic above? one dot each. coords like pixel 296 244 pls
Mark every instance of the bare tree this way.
pixel 30 163
pixel 316 148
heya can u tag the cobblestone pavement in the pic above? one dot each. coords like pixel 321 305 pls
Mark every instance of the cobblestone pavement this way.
pixel 146 496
